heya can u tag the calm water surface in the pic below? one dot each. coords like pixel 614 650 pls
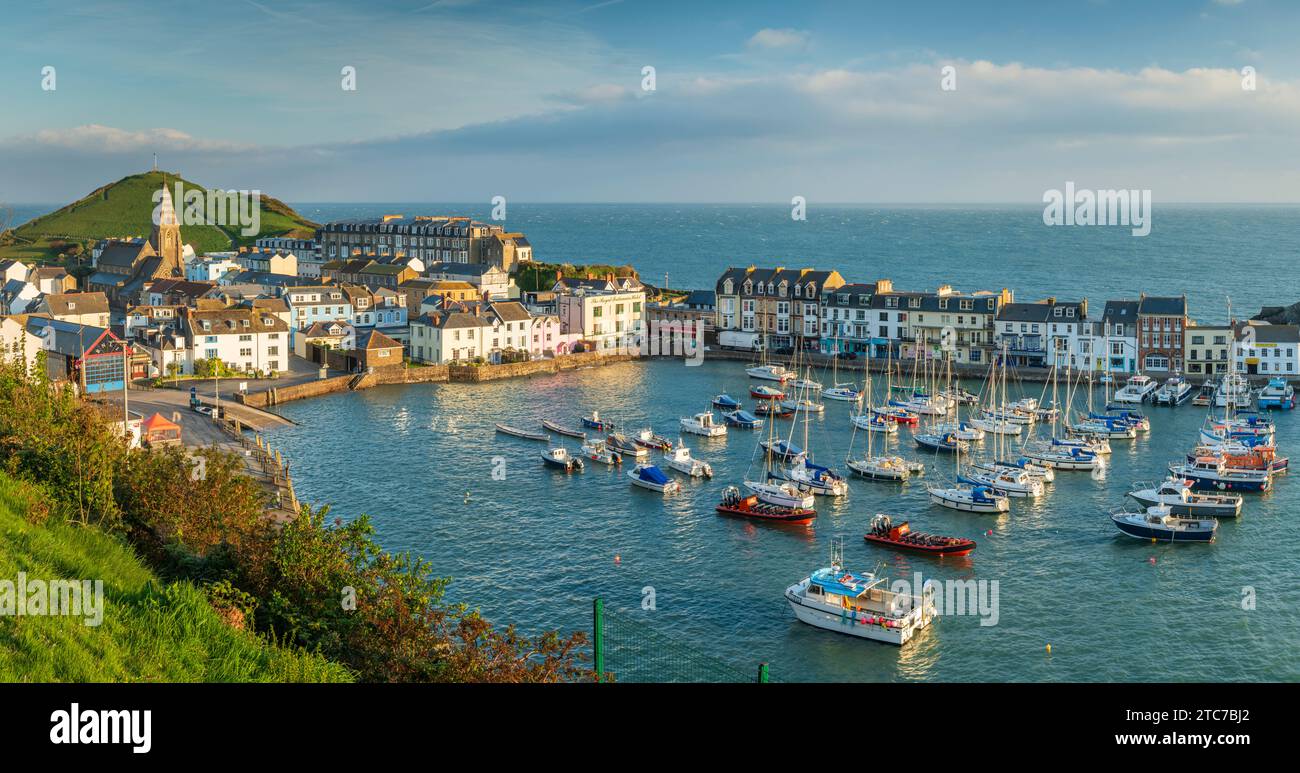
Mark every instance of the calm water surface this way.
pixel 535 548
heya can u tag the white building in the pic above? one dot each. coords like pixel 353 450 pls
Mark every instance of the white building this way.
pixel 1267 350
pixel 606 319
pixel 246 340
pixel 448 335
pixel 210 268
pixel 17 343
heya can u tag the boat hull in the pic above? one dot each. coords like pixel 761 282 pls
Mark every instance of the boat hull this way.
pixel 1144 532
pixel 960 548
pixel 768 513
pixel 965 505
pixel 853 624
pixel 1192 509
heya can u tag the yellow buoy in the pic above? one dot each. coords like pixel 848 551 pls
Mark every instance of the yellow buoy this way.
pixel 1049 649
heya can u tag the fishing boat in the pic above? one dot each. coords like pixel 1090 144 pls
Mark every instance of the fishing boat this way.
pixel 1205 395
pixel 561 458
pixel 860 604
pixel 680 459
pixel 1243 457
pixel 648 476
pixel 1211 473
pixel 703 424
pixel 1158 524
pixel 772 408
pixel 971 499
pixel 885 532
pixel 506 429
pixel 597 451
pixel 1178 496
pixel 595 422
pixel 735 504
pixel 766 393
pixel 802 405
pixel 1233 390
pixel 872 422
pixel 945 443
pixel 562 430
pixel 1136 390
pixel 726 402
pixel 742 419
pixel 1277 395
pixel 1175 391
pixel 769 373
pixel 624 446
pixel 646 438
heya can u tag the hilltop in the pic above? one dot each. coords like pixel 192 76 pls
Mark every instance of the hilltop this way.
pixel 125 208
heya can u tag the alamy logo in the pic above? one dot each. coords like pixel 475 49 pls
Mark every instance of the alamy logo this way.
pixel 71 598
pixel 92 726
pixel 1102 207
pixel 198 206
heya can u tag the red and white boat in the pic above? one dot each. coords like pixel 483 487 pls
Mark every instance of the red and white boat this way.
pixel 884 532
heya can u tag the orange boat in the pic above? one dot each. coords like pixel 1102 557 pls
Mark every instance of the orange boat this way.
pixel 1246 458
pixel 884 532
pixel 750 507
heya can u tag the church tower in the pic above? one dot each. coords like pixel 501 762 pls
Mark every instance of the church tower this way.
pixel 166 238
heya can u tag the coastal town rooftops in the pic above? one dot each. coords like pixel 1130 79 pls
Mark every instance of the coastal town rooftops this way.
pixel 235 320
pixel 448 319
pixel 1163 306
pixel 309 294
pixel 854 294
pixel 1271 334
pixel 373 339
pixel 270 304
pixel 980 302
pixel 69 338
pixel 332 329
pixel 510 311
pixel 180 287
pixel 1120 312
pixel 1025 312
pixel 778 281
pixel 64 304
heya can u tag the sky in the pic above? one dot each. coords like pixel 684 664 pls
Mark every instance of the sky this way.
pixel 757 101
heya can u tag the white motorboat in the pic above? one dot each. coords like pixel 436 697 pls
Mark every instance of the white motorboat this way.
pixel 803 405
pixel 847 393
pixel 1177 494
pixel 807 384
pixel 1012 483
pixel 769 373
pixel 874 422
pixel 1136 390
pixel 996 426
pixel 860 604
pixel 816 478
pixel 560 457
pixel 1175 391
pixel 1063 457
pixel 703 424
pixel 888 468
pixel 597 451
pixel 680 459
pixel 1233 392
pixel 1158 524
pixel 960 430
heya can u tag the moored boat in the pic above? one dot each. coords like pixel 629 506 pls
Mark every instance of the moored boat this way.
pixel 816 478
pixel 896 414
pixel 680 459
pixel 1178 496
pixel 726 402
pixel 1175 391
pixel 742 419
pixel 647 438
pixel 781 493
pixel 1136 390
pixel 802 405
pixel 597 451
pixel 624 446
pixel 885 532
pixel 506 429
pixel 595 422
pixel 1158 524
pixel 1212 473
pixel 971 499
pixel 1277 395
pixel 560 429
pixel 859 604
pixel 648 476
pixel 735 504
pixel 560 457
pixel 941 443
pixel 886 468
pixel 766 393
pixel 703 424
pixel 782 450
pixel 772 408
pixel 769 373
pixel 848 393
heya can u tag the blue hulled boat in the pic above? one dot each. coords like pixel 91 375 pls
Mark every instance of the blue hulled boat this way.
pixel 742 419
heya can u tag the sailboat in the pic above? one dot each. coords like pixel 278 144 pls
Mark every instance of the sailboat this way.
pixel 845 392
pixel 1051 452
pixel 969 498
pixel 889 411
pixel 809 476
pixel 774 491
pixel 959 429
pixel 872 467
pixel 994 418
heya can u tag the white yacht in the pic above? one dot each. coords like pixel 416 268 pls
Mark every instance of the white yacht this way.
pixel 703 424
pixel 1137 389
pixel 769 373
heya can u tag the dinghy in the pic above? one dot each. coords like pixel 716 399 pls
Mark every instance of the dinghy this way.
pixel 884 532
pixel 735 504
pixel 506 429
pixel 648 476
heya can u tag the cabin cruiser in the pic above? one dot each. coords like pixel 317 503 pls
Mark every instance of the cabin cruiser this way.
pixel 1137 389
pixel 769 373
pixel 597 451
pixel 848 393
pixel 703 424
pixel 680 459
pixel 781 494
pixel 1158 524
pixel 1278 395
pixel 816 478
pixel 1177 494
pixel 1175 391
pixel 860 604
pixel 996 427
pixel 1213 473
pixel 1233 392
pixel 972 499
pixel 742 419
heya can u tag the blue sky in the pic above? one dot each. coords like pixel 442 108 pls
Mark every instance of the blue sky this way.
pixel 754 101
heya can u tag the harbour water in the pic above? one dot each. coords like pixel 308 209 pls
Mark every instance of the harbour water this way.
pixel 535 548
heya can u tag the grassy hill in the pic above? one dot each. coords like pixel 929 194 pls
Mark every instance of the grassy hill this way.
pixel 151 630
pixel 125 208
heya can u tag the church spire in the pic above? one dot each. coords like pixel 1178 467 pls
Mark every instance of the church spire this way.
pixel 166 237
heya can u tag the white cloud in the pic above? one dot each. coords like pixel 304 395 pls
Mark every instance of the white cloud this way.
pixel 780 39
pixel 109 139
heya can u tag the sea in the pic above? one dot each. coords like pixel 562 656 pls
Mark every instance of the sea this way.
pixel 1076 601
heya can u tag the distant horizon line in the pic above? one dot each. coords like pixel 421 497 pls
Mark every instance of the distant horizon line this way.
pixel 811 203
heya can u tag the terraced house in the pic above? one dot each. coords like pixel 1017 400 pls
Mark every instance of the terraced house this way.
pixel 428 237
pixel 1161 324
pixel 316 303
pixel 1042 333
pixel 934 324
pixel 247 340
pixel 848 319
pixel 772 308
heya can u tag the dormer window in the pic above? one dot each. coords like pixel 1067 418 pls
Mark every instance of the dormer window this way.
pixel 726 287
pixel 812 290
pixel 914 303
pixel 798 291
pixel 749 288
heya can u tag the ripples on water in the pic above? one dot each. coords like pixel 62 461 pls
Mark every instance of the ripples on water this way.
pixel 535 548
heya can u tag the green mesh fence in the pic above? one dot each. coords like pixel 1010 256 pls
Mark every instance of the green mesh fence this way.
pixel 629 650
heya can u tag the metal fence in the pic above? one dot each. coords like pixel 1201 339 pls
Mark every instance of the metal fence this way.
pixel 628 650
